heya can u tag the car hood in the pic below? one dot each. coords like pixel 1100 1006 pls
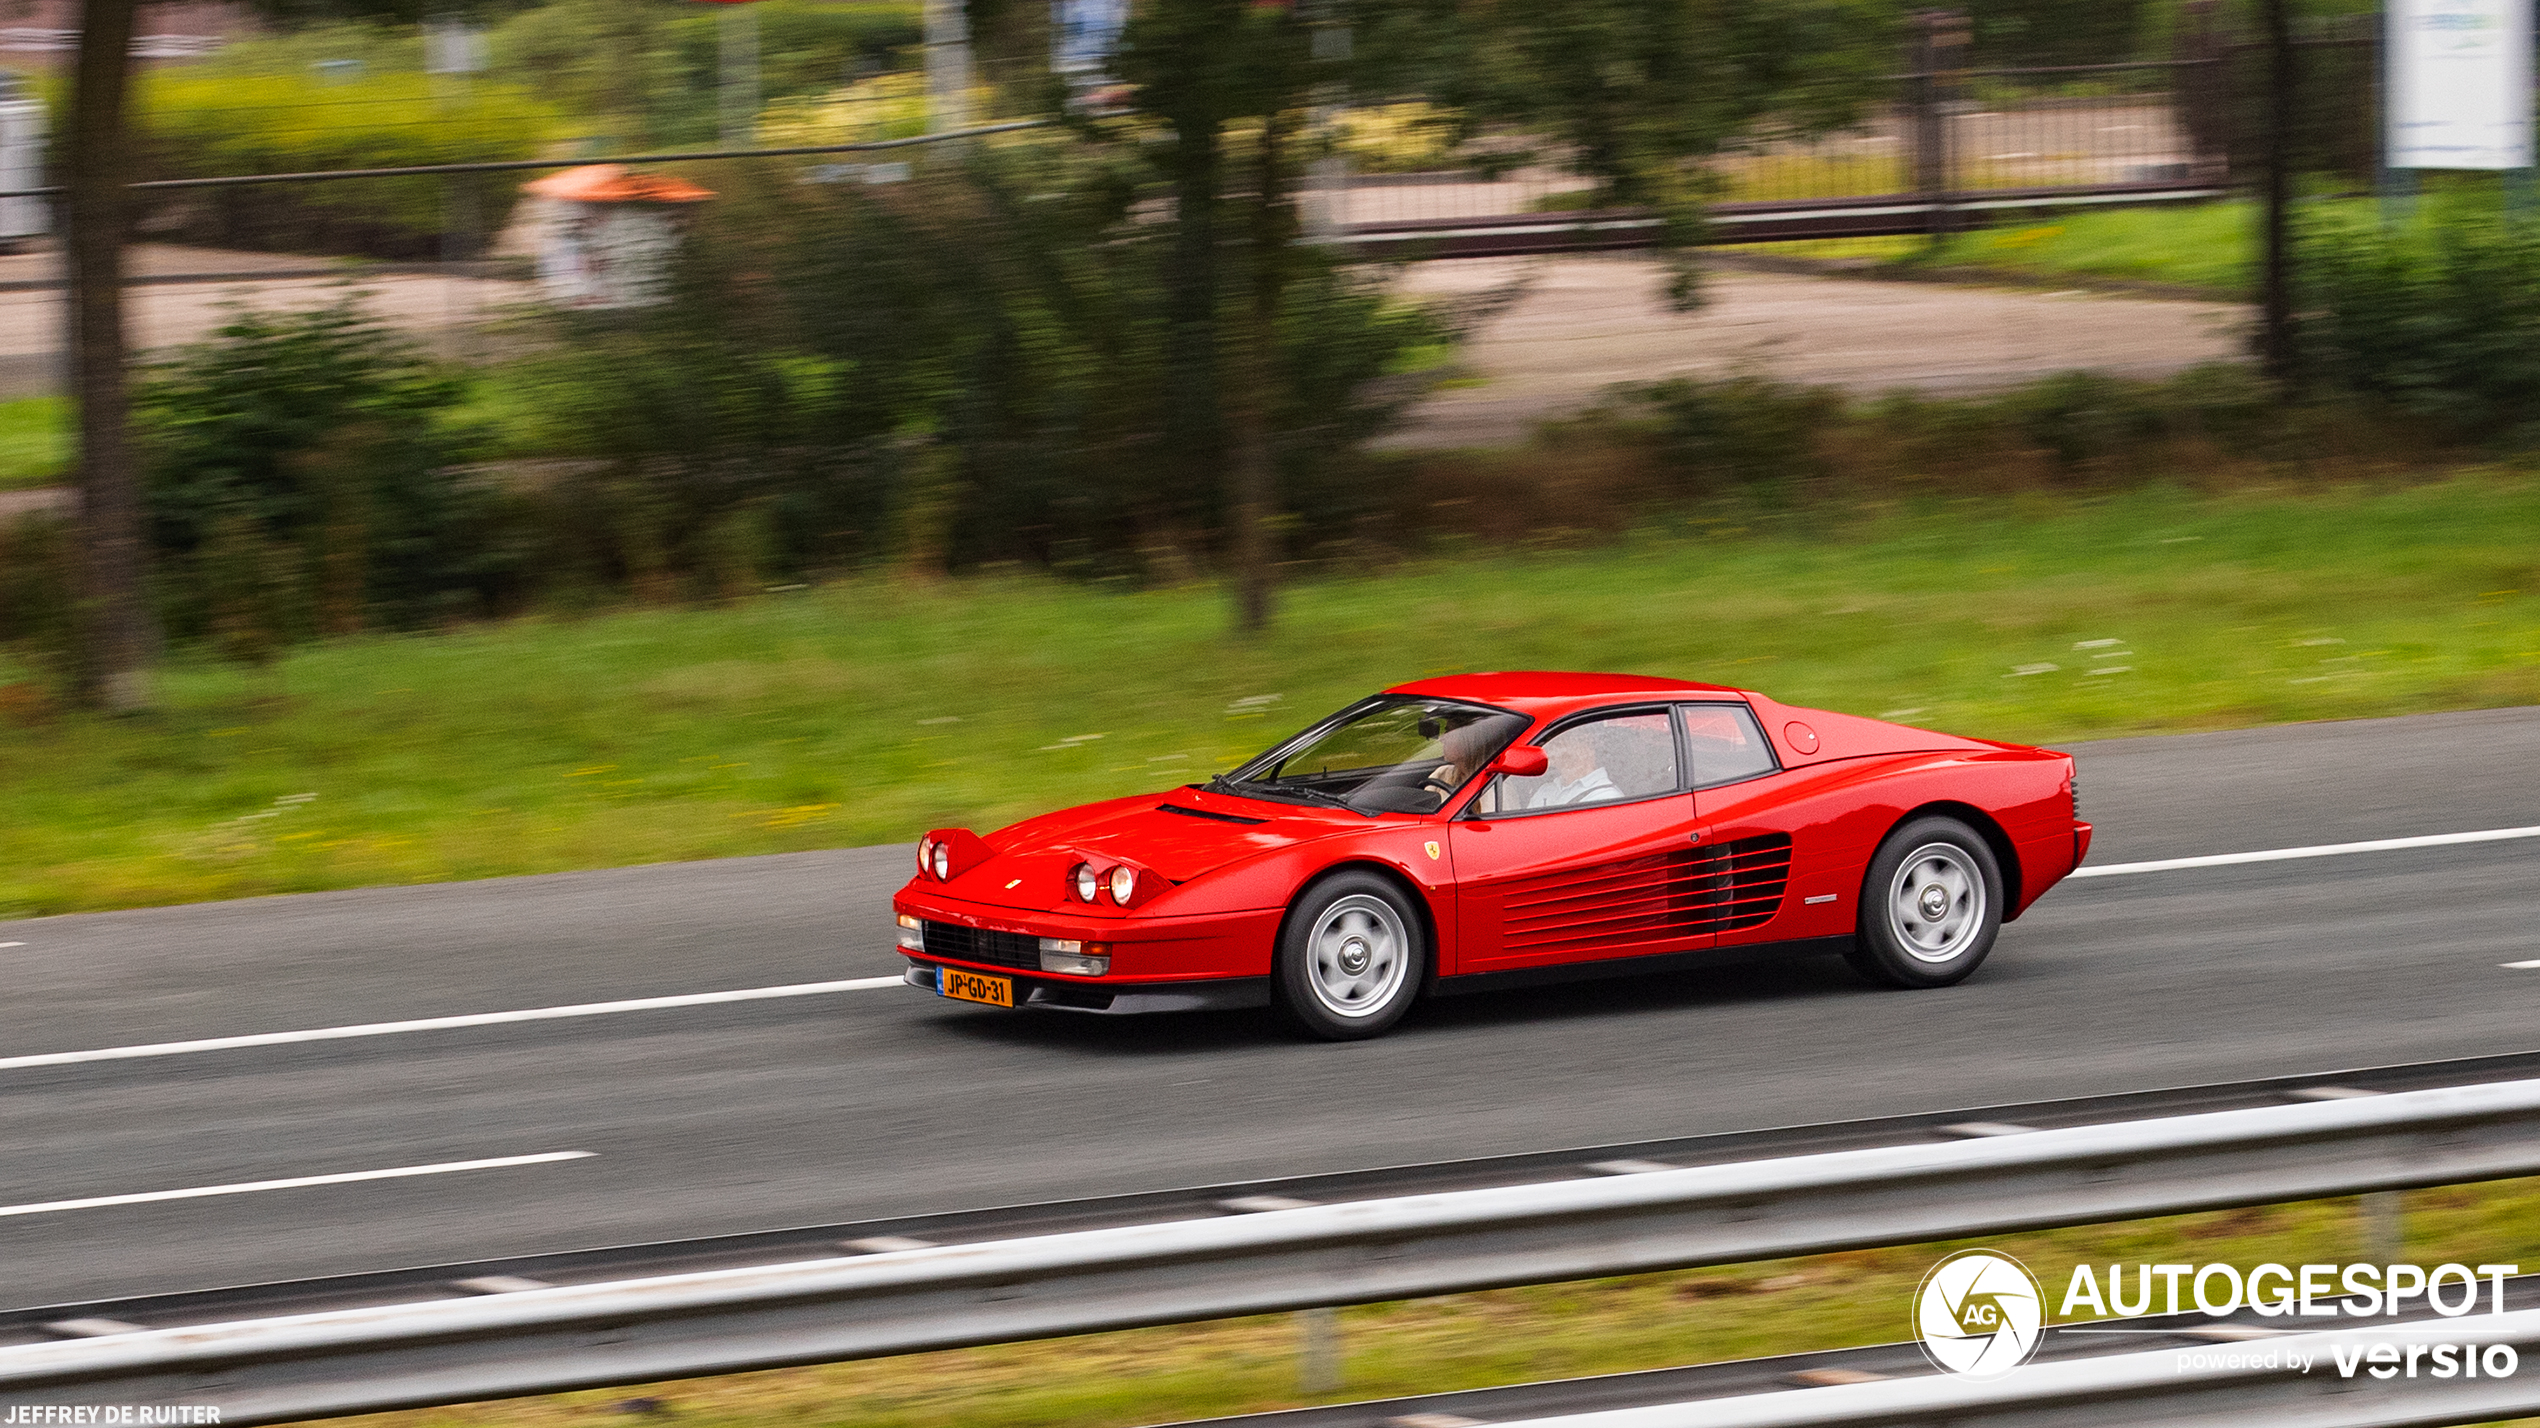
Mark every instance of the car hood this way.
pixel 1180 835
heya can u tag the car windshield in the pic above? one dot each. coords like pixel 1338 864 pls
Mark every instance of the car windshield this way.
pixel 1392 754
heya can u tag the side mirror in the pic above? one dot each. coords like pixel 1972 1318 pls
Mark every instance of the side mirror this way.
pixel 1527 762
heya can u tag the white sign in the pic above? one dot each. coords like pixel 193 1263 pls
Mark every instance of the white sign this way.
pixel 1083 33
pixel 2459 84
pixel 453 47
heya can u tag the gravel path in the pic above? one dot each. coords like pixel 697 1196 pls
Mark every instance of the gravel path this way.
pixel 1585 323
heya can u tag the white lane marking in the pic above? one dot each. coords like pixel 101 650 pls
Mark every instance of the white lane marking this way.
pixel 2530 966
pixel 813 989
pixel 12 944
pixel 200 1191
pixel 442 1023
pixel 2324 850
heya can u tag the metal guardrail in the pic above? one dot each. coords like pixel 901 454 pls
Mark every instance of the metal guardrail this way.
pixel 902 1301
pixel 2126 1390
pixel 406 1284
pixel 1687 1386
pixel 1879 216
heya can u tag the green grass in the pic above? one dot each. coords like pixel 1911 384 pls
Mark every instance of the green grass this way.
pixel 1503 1336
pixel 35 442
pixel 2204 246
pixel 868 711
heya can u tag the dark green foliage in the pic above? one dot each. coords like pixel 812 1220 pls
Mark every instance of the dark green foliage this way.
pixel 647 71
pixel 35 584
pixel 1742 431
pixel 306 450
pixel 969 367
pixel 1633 94
pixel 804 47
pixel 1629 90
pixel 2043 32
pixel 1778 440
pixel 2440 317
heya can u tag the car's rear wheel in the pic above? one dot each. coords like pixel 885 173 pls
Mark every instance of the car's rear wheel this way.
pixel 1931 906
pixel 1351 957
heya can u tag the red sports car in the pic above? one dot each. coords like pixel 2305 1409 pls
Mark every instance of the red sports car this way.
pixel 1490 830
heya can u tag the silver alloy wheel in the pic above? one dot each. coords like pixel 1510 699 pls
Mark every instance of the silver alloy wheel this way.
pixel 1357 956
pixel 1936 906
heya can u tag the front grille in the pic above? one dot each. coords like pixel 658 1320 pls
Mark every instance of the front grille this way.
pixel 980 944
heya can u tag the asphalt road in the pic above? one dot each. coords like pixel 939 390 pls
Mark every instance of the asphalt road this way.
pixel 860 1103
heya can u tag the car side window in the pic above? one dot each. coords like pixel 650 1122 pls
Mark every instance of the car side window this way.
pixel 1726 744
pixel 1610 759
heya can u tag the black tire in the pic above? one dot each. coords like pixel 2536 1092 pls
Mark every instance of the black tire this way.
pixel 1931 905
pixel 1352 958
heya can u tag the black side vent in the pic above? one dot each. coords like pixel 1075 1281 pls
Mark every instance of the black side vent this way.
pixel 1738 885
pixel 1204 813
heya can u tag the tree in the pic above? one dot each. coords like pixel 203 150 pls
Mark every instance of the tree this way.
pixel 1200 66
pixel 117 635
pixel 1633 94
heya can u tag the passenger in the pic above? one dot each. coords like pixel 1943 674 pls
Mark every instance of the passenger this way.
pixel 1576 775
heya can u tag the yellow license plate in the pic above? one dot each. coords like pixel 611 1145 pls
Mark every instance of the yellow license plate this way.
pixel 971 987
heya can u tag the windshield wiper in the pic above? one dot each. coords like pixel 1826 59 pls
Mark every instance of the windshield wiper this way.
pixel 1324 795
pixel 1277 792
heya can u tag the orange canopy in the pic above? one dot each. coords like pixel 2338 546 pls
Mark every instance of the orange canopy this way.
pixel 612 183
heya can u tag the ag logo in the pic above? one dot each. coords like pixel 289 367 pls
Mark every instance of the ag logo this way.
pixel 1979 1314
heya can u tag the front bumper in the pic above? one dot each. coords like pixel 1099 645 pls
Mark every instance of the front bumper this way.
pixel 1053 994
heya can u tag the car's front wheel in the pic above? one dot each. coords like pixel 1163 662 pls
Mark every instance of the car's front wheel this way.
pixel 1351 957
pixel 1930 906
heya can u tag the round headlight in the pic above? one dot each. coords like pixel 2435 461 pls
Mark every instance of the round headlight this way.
pixel 943 862
pixel 925 855
pixel 1124 881
pixel 1087 885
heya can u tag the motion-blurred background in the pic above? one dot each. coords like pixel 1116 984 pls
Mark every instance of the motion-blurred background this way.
pixel 597 437
pixel 1124 380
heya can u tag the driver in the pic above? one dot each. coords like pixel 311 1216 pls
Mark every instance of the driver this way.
pixel 1577 775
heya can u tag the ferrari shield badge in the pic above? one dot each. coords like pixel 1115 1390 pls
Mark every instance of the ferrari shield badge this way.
pixel 1431 849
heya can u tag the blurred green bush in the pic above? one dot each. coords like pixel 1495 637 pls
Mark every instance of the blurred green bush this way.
pixel 2439 316
pixel 199 125
pixel 647 72
pixel 301 478
pixel 962 368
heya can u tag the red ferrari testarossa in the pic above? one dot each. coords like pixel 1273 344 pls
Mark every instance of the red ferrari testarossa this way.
pixel 1488 830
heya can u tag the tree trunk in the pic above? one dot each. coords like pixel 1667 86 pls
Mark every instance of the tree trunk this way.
pixel 2275 327
pixel 116 629
pixel 1193 435
pixel 1255 467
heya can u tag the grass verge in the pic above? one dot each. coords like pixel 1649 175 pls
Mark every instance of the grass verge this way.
pixel 1503 1336
pixel 35 442
pixel 867 711
pixel 2204 247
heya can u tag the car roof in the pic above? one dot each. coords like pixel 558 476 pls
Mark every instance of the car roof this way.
pixel 1548 693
